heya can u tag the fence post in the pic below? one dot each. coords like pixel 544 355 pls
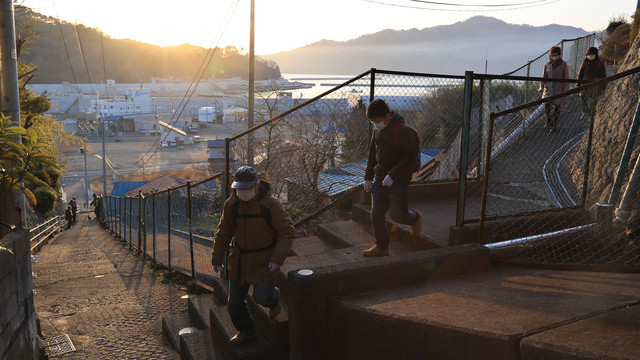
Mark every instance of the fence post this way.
pixel 169 226
pixel 121 218
pixel 464 147
pixel 130 222
pixel 626 156
pixel 485 111
pixel 153 220
pixel 139 220
pixel 372 90
pixel 227 168
pixel 193 264
pixel 485 179
pixel 587 165
pixel 124 219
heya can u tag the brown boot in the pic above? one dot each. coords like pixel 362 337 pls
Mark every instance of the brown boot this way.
pixel 375 251
pixel 240 338
pixel 275 311
pixel 416 228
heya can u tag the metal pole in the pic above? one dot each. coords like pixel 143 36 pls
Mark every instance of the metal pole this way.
pixel 86 178
pixel 372 90
pixel 193 264
pixel 587 165
pixel 464 147
pixel 139 220
pixel 124 219
pixel 9 93
pixel 169 226
pixel 485 180
pixel 130 221
pixel 485 118
pixel 153 219
pixel 251 83
pixel 227 169
pixel 624 161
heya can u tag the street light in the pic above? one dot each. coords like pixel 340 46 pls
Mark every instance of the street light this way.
pixel 86 182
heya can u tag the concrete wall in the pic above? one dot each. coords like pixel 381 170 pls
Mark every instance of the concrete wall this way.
pixel 18 328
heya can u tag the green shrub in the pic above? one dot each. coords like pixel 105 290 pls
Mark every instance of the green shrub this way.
pixel 46 199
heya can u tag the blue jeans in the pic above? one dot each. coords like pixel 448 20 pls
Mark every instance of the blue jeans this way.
pixel 395 197
pixel 264 293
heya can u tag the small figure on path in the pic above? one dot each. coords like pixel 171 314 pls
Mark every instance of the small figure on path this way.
pixel 68 214
pixel 592 69
pixel 556 68
pixel 394 155
pixel 74 209
pixel 260 232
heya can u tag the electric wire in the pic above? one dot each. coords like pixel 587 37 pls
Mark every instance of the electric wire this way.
pixel 458 10
pixel 192 88
pixel 478 5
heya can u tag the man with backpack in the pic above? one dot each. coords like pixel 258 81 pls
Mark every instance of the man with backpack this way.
pixel 394 155
pixel 260 232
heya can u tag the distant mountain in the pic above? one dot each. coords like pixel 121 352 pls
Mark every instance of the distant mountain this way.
pixel 127 61
pixel 441 49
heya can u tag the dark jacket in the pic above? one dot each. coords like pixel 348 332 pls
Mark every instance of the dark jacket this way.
pixel 251 233
pixel 592 70
pixel 68 213
pixel 74 206
pixel 395 151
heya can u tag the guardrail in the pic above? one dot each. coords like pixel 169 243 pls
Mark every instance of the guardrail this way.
pixel 41 234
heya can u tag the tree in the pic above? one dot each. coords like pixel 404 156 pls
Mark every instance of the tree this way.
pixel 356 136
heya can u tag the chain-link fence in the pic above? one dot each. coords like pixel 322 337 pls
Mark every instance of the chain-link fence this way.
pixel 314 153
pixel 573 52
pixel 174 227
pixel 541 184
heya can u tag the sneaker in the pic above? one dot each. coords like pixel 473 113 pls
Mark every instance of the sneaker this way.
pixel 241 338
pixel 375 251
pixel 275 311
pixel 416 228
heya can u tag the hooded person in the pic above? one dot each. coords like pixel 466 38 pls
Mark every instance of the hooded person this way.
pixel 555 68
pixel 259 233
pixel 592 69
pixel 394 155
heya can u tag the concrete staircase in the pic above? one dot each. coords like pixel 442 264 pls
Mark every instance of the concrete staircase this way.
pixel 335 243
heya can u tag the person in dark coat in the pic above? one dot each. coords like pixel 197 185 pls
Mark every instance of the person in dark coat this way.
pixel 262 234
pixel 555 68
pixel 592 69
pixel 68 214
pixel 394 155
pixel 74 209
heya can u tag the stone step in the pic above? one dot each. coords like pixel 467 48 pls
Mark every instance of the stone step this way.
pixel 344 234
pixel 310 245
pixel 172 324
pixel 199 307
pixel 198 346
pixel 275 331
pixel 362 215
pixel 222 330
pixel 489 313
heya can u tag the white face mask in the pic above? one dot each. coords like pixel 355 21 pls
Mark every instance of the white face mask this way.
pixel 554 57
pixel 379 125
pixel 246 194
pixel 591 57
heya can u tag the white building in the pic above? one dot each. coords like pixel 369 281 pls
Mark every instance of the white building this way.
pixel 137 101
pixel 207 114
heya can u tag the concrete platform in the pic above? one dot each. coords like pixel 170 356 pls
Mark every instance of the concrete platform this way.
pixel 483 313
pixel 612 335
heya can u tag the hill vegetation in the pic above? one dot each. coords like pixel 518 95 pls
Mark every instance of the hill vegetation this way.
pixel 126 61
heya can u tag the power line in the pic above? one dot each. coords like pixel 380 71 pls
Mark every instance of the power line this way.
pixel 458 10
pixel 189 93
pixel 479 5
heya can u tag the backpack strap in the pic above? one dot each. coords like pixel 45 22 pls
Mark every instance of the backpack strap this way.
pixel 265 213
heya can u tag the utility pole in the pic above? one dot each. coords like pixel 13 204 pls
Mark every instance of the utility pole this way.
pixel 9 95
pixel 83 150
pixel 251 82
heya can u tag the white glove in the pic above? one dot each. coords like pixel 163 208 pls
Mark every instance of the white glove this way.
pixel 367 185
pixel 217 269
pixel 273 266
pixel 387 181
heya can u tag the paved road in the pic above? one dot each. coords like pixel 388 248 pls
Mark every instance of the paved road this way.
pixel 108 300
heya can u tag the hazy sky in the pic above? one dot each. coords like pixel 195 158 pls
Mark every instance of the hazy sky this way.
pixel 287 24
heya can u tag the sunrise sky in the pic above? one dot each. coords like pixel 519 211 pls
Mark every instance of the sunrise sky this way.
pixel 286 24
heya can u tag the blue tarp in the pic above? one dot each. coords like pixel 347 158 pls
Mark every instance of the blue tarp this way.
pixel 120 188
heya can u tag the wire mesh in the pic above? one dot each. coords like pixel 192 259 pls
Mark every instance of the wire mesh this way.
pixel 207 202
pixel 573 51
pixel 542 188
pixel 162 228
pixel 180 239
